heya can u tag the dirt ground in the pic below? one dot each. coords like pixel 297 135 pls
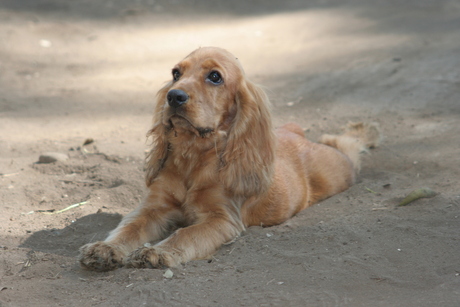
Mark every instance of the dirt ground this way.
pixel 74 70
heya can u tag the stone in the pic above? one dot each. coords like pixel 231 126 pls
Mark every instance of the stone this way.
pixel 50 157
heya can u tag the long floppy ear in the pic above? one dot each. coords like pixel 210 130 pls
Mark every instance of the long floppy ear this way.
pixel 248 158
pixel 156 158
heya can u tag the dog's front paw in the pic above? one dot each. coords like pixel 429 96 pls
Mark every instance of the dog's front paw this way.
pixel 152 257
pixel 100 256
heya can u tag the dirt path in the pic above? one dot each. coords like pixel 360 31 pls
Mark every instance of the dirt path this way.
pixel 73 70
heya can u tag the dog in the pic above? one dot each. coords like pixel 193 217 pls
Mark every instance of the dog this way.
pixel 218 166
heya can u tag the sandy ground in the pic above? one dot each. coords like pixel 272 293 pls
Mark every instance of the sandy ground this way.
pixel 73 70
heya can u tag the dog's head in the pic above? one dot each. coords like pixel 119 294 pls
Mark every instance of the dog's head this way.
pixel 201 95
pixel 210 97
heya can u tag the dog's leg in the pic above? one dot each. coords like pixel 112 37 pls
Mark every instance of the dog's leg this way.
pixel 215 224
pixel 152 221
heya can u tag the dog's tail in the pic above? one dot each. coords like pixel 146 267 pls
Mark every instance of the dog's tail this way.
pixel 357 139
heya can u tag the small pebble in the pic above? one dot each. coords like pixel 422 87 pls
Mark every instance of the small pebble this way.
pixel 50 157
pixel 45 43
pixel 168 274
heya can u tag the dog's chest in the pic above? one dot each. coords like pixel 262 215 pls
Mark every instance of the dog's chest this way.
pixel 196 168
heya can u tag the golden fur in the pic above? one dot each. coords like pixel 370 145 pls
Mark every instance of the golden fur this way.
pixel 218 166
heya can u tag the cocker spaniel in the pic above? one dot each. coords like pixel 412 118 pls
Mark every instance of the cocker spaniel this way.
pixel 217 166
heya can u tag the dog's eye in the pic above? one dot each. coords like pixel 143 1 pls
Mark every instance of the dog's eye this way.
pixel 215 77
pixel 176 74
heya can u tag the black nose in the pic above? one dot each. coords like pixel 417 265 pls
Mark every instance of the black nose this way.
pixel 176 98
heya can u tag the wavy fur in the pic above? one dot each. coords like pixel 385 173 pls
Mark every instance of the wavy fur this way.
pixel 250 151
pixel 217 166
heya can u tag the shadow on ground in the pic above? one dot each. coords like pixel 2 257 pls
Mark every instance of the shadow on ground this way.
pixel 67 241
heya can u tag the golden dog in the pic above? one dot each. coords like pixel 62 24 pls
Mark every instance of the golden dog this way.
pixel 217 166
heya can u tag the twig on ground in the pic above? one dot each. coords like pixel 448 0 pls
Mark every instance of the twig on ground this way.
pixel 53 211
pixel 369 190
pixel 8 174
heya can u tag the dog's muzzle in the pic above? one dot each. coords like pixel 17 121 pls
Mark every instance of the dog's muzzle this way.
pixel 177 98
